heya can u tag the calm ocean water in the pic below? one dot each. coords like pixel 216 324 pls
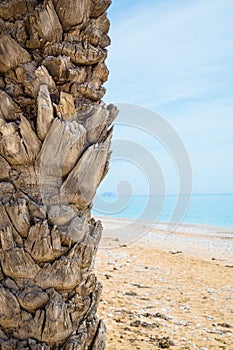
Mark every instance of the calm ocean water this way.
pixel 206 209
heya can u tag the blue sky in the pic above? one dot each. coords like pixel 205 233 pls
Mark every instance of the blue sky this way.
pixel 176 58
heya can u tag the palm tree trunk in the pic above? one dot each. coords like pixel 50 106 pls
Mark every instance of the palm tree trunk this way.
pixel 55 136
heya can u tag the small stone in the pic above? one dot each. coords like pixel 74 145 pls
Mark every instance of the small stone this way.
pixel 161 316
pixel 209 318
pixel 224 325
pixel 131 293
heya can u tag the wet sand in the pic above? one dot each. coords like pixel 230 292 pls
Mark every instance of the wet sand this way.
pixel 166 290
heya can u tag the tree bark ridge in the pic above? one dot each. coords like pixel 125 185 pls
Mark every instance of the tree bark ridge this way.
pixel 55 136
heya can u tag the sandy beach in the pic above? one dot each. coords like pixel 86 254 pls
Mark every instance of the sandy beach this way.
pixel 166 290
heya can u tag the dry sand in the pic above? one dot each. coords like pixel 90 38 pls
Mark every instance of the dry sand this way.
pixel 163 292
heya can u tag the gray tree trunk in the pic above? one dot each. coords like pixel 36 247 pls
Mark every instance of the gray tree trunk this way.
pixel 55 136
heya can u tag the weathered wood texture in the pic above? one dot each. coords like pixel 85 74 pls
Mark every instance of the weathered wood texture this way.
pixel 55 136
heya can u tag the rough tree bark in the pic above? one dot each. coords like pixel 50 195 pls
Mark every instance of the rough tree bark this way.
pixel 55 136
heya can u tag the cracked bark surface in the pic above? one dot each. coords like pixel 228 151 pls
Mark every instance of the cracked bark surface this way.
pixel 55 136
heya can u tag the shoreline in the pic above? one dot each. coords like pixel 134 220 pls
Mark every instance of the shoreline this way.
pixel 163 225
pixel 202 241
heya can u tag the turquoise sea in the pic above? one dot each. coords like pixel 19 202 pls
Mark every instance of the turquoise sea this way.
pixel 202 209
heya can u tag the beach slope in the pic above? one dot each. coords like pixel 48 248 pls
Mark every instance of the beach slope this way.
pixel 166 290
